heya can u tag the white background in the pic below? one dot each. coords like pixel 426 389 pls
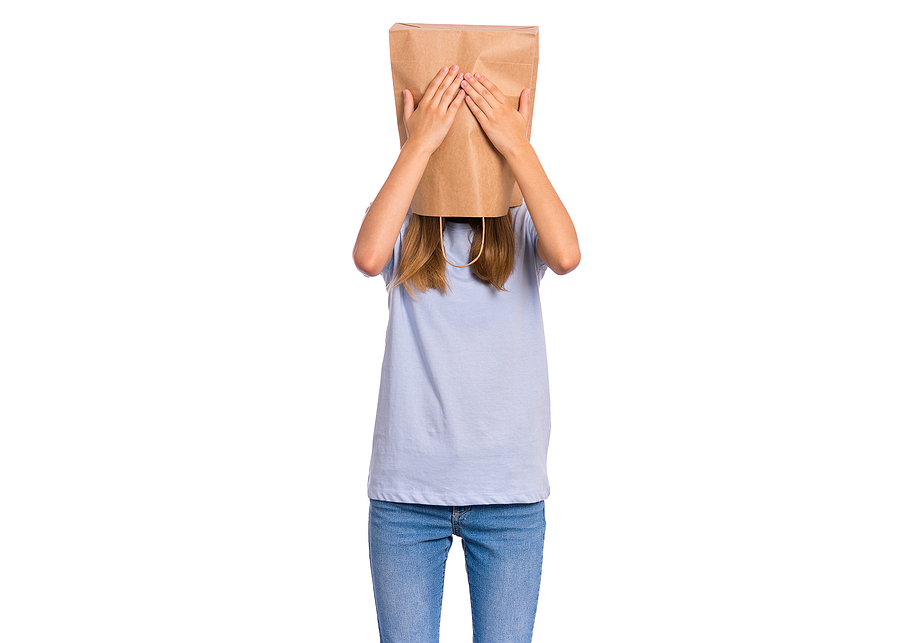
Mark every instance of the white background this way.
pixel 189 360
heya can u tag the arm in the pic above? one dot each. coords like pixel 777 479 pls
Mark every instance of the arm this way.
pixel 426 127
pixel 505 126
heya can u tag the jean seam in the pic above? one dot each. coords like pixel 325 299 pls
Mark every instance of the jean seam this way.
pixel 469 583
pixel 443 576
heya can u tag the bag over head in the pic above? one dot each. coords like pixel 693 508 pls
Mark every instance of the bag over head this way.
pixel 466 176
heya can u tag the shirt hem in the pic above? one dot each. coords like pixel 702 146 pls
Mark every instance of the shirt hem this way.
pixel 454 500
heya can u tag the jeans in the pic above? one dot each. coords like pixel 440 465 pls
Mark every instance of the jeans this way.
pixel 504 549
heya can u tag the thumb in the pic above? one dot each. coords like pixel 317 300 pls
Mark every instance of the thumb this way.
pixel 525 103
pixel 407 104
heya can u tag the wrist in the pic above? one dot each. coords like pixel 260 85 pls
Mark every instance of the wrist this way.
pixel 417 147
pixel 519 150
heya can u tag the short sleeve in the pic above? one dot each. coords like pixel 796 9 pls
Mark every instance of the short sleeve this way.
pixel 391 266
pixel 526 231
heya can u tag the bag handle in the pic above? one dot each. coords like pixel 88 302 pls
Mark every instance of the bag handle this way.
pixel 480 250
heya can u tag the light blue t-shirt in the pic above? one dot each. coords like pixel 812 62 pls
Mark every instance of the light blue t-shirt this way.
pixel 464 407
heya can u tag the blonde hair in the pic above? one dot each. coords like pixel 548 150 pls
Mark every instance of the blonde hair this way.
pixel 422 263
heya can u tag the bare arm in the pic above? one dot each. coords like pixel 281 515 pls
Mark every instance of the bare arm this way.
pixel 426 128
pixel 505 126
pixel 380 228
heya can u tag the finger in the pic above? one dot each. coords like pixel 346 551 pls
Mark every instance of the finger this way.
pixel 451 92
pixel 475 89
pixel 525 103
pixel 454 106
pixel 477 112
pixel 445 85
pixel 432 87
pixel 489 90
pixel 477 98
pixel 446 82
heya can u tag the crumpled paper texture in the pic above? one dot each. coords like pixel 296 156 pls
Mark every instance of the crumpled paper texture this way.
pixel 466 176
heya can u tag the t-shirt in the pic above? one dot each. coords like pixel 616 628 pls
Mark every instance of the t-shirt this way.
pixel 464 406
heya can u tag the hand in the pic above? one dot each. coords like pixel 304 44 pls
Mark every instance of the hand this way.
pixel 503 124
pixel 429 123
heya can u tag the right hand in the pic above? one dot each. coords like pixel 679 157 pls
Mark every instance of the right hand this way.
pixel 428 124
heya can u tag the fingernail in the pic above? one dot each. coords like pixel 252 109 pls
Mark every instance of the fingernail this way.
pixel 455 67
pixel 477 75
pixel 468 75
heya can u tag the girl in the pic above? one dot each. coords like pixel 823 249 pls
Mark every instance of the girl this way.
pixel 463 419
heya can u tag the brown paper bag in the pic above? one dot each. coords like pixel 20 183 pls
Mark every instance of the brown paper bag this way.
pixel 466 176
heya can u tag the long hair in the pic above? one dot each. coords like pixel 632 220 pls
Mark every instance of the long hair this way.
pixel 422 265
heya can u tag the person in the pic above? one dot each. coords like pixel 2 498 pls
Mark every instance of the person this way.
pixel 463 419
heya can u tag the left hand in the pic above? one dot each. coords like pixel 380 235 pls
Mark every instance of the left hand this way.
pixel 504 124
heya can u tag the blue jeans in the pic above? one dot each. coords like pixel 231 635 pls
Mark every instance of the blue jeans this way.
pixel 504 550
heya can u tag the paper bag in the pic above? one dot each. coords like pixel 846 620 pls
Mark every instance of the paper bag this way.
pixel 466 176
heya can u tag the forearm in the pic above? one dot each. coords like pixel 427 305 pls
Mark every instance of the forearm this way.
pixel 557 240
pixel 381 225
